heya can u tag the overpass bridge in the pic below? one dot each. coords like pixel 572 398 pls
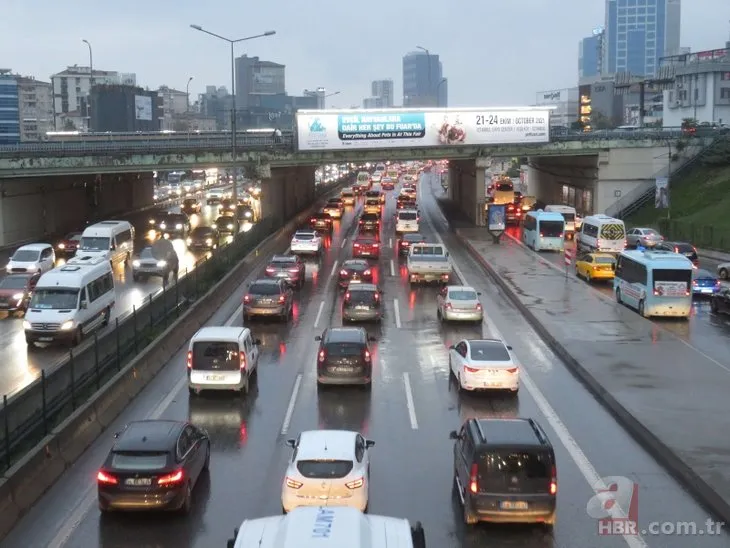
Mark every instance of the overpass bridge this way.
pixel 591 170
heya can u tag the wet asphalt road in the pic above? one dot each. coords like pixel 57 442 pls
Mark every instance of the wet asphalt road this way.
pixel 21 367
pixel 412 461
pixel 705 331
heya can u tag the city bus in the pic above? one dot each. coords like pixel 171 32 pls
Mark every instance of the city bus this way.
pixel 568 214
pixel 654 283
pixel 544 230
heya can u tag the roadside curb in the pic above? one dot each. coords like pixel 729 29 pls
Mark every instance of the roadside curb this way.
pixel 692 482
pixel 28 479
pixel 713 255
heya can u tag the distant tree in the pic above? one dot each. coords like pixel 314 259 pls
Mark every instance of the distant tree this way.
pixel 68 125
pixel 601 121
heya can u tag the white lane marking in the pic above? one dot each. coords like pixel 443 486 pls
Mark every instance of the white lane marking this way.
pixel 409 401
pixel 292 402
pixel 390 242
pixel 392 268
pixel 344 243
pixel 319 314
pixel 331 276
pixel 334 269
pixel 396 312
pixel 586 468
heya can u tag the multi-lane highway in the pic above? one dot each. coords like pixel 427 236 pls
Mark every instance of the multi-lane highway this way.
pixel 21 367
pixel 705 331
pixel 409 413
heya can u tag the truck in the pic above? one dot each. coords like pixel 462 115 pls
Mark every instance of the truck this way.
pixel 428 263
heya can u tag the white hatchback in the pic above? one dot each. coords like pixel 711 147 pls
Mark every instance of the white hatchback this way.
pixel 484 364
pixel 306 242
pixel 327 468
pixel 459 303
pixel 32 258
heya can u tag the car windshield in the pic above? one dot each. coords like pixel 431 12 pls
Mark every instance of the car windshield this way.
pixel 324 469
pixel 190 202
pixel 462 295
pixel 684 248
pixel 201 231
pixel 91 243
pixel 26 256
pixel 650 232
pixel 372 202
pixel 141 461
pixel 700 274
pixel 73 237
pixel 303 236
pixel 408 216
pixel 264 289
pixel 216 355
pixel 284 261
pixel 488 351
pixel 146 253
pixel 356 266
pixel 341 349
pixel 14 282
pixel 55 298
pixel 604 260
pixel 524 465
pixel 347 193
pixel 361 297
pixel 224 221
pixel 365 241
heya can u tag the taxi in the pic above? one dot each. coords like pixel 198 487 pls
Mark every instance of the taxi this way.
pixel 595 266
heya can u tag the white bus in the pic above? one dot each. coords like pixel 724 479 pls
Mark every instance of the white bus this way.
pixel 544 230
pixel 655 283
pixel 568 214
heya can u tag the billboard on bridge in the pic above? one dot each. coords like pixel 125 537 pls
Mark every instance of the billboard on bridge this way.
pixel 362 129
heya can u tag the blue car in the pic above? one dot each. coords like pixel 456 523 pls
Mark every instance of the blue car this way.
pixel 704 282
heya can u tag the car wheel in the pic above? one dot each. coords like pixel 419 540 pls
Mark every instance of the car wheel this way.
pixel 723 273
pixel 187 502
pixel 107 317
pixel 713 306
pixel 641 309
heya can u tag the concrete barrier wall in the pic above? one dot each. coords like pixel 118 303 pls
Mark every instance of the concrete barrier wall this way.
pixel 25 482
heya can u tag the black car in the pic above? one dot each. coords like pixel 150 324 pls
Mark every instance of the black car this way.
pixel 355 270
pixel 153 465
pixel 174 225
pixel 321 222
pixel 683 248
pixel 407 240
pixel 369 222
pixel 362 303
pixel 344 357
pixel 245 213
pixel 504 471
pixel 289 268
pixel 720 303
pixel 267 297
pixel 227 207
pixel 203 237
pixel 225 224
pixel 191 206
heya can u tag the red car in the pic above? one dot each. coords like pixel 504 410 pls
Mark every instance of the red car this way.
pixel 514 214
pixel 68 246
pixel 289 268
pixel 16 291
pixel 355 270
pixel 366 246
pixel 387 184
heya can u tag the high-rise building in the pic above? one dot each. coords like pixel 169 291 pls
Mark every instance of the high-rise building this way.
pixel 639 33
pixel 424 84
pixel 174 103
pixel 384 90
pixel 216 103
pixel 26 106
pixel 9 112
pixel 125 109
pixel 590 54
pixel 255 78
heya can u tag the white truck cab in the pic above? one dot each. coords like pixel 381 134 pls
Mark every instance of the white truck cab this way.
pixel 328 527
pixel 428 262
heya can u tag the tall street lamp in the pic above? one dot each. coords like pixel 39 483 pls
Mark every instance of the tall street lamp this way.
pixel 187 94
pixel 428 60
pixel 91 84
pixel 233 109
pixel 443 80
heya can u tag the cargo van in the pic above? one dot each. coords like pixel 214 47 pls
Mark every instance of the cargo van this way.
pixel 601 233
pixel 406 220
pixel 113 240
pixel 70 301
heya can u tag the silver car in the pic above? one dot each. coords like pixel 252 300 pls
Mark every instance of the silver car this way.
pixel 459 303
pixel 644 237
pixel 156 261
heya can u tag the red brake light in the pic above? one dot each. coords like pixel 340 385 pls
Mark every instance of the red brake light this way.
pixel 368 272
pixel 478 306
pixel 542 235
pixel 355 484
pixel 343 272
pixel 376 244
pixel 293 270
pixel 356 244
pixel 554 482
pixel 676 249
pixel 190 359
pixel 377 296
pixel 322 356
pixel 347 296
pixel 448 305
pixel 313 220
pixel 242 360
pixel 101 477
pixel 282 299
pixel 366 355
pixel 471 369
pixel 510 207
pixel 560 235
pixel 473 478
pixel 247 299
pixel 293 484
pixel 170 479
pixel 512 370
pixel 270 270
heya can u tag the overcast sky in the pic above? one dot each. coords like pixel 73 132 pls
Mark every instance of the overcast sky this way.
pixel 494 53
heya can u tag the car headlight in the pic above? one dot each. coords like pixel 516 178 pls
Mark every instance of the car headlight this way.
pixel 152 221
pixel 18 296
pixel 61 246
pixel 68 324
pixel 163 226
pixel 209 241
pixel 230 227
pixel 214 225
pixel 178 226
pixel 189 241
pixel 26 324
pixel 161 264
pixel 248 214
pixel 136 264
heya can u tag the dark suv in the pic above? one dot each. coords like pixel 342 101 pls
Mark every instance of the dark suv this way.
pixel 362 303
pixel 289 268
pixel 174 225
pixel 369 222
pixel 504 471
pixel 683 248
pixel 344 356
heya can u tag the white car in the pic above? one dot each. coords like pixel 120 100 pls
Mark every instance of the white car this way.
pixel 723 270
pixel 32 258
pixel 327 468
pixel 484 364
pixel 409 192
pixel 459 303
pixel 306 242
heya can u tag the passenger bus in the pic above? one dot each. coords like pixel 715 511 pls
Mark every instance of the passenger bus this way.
pixel 568 214
pixel 655 283
pixel 543 230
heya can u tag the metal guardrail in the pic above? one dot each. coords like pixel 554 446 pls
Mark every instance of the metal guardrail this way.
pixel 28 416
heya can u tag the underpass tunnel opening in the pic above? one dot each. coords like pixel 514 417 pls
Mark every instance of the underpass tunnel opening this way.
pixel 564 180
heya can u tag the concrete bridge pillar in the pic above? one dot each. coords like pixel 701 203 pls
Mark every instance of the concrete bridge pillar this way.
pixel 288 191
pixel 467 189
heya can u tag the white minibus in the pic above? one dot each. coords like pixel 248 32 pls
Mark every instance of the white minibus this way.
pixel 113 240
pixel 544 230
pixel 601 233
pixel 568 214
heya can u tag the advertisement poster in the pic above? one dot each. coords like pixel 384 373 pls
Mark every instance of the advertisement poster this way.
pixel 661 196
pixel 143 107
pixel 670 289
pixel 496 217
pixel 405 128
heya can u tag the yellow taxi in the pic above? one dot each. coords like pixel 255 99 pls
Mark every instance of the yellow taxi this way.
pixel 595 266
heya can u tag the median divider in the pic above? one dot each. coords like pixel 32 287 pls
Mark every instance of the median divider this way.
pixel 34 473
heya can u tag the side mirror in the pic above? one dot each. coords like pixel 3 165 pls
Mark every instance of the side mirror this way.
pixel 318 338
pixel 452 347
pixel 291 443
pixel 372 339
pixel 84 304
pixel 447 253
pixel 453 435
pixel 369 443
pixel 509 348
pixel 257 341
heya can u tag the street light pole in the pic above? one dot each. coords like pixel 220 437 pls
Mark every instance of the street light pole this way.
pixel 91 84
pixel 324 105
pixel 233 107
pixel 428 60
pixel 438 88
pixel 187 94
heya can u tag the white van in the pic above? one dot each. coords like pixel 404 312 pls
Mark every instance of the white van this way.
pixel 32 258
pixel 113 240
pixel 70 301
pixel 601 233
pixel 222 358
pixel 406 220
pixel 328 527
pixel 568 214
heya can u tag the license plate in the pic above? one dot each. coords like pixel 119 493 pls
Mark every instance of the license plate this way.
pixel 492 384
pixel 362 307
pixel 45 339
pixel 138 481
pixel 282 274
pixel 706 290
pixel 364 253
pixel 509 505
pixel 214 378
pixel 344 369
